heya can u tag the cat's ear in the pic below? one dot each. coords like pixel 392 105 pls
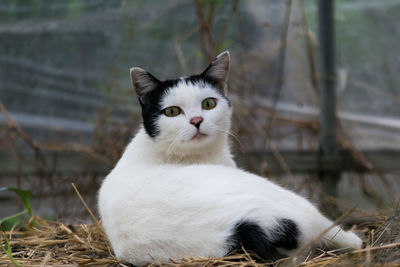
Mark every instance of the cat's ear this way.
pixel 218 71
pixel 143 82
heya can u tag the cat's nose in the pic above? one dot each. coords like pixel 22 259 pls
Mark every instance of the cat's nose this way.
pixel 196 121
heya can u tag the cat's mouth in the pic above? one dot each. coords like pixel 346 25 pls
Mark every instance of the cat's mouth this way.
pixel 199 136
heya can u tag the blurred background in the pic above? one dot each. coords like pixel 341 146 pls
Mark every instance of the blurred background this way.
pixel 314 89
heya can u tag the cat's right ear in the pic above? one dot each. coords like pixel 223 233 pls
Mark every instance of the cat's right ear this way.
pixel 143 82
pixel 218 71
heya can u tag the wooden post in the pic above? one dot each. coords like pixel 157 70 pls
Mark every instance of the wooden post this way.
pixel 328 147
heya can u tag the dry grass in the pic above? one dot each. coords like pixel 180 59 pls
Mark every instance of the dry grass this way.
pixel 57 244
pixel 49 243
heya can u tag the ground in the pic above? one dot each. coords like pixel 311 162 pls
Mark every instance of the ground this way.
pixel 55 243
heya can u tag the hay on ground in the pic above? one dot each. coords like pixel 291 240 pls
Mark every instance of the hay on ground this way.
pixel 57 244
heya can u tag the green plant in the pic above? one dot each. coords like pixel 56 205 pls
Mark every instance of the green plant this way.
pixel 7 249
pixel 17 220
pixel 8 222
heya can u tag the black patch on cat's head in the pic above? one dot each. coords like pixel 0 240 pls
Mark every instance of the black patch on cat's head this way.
pixel 265 242
pixel 150 90
pixel 216 75
pixel 200 79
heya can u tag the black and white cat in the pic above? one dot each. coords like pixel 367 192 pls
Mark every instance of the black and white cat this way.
pixel 176 192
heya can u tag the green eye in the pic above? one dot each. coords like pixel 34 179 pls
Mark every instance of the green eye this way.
pixel 172 111
pixel 209 103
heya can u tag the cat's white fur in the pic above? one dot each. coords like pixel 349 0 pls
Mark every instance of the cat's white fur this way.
pixel 170 197
pixel 173 144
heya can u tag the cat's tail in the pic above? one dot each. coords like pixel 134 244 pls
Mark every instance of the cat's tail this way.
pixel 342 239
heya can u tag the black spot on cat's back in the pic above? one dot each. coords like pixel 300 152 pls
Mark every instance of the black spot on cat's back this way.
pixel 265 242
pixel 286 234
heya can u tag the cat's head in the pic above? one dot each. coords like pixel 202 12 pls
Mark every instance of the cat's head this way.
pixel 186 114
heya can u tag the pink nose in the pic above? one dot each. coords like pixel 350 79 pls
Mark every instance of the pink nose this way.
pixel 196 121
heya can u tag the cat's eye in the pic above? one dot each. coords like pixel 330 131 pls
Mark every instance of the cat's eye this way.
pixel 172 111
pixel 209 103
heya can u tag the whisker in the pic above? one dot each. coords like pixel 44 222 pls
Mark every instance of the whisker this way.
pixel 172 144
pixel 180 134
pixel 223 131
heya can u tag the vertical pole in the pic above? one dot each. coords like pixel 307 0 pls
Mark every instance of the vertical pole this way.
pixel 328 150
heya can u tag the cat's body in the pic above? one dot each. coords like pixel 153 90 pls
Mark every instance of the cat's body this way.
pixel 176 191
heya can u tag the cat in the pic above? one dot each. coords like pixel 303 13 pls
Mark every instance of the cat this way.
pixel 176 191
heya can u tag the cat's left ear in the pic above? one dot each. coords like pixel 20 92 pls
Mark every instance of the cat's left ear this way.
pixel 218 71
pixel 143 82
